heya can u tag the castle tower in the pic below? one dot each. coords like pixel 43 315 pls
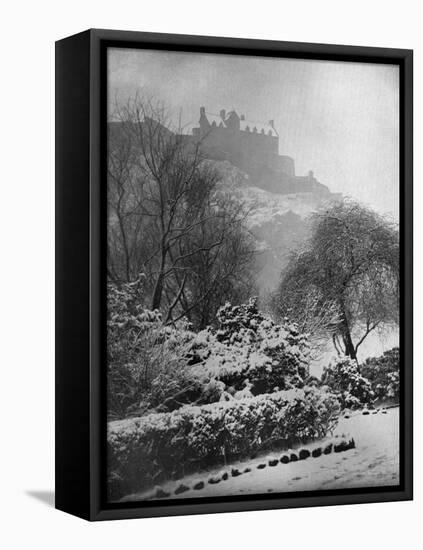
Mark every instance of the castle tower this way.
pixel 233 121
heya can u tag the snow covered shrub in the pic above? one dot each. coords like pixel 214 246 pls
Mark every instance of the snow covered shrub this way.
pixel 146 450
pixel 345 380
pixel 154 366
pixel 250 353
pixel 234 321
pixel 383 374
pixel 146 359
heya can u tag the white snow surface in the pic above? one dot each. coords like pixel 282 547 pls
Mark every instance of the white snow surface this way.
pixel 374 462
pixel 265 206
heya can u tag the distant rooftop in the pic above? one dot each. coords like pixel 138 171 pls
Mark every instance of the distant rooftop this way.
pixel 221 121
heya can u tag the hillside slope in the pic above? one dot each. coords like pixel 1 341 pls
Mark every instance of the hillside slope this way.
pixel 277 221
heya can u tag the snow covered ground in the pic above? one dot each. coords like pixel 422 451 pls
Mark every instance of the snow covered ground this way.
pixel 374 462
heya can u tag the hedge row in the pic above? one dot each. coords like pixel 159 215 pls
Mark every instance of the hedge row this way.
pixel 146 450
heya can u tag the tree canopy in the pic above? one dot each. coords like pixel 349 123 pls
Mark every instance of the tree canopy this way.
pixel 343 282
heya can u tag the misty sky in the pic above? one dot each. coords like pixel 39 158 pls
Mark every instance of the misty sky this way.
pixel 340 120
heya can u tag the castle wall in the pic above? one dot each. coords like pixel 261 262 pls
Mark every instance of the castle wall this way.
pixel 255 153
pixel 286 165
pixel 249 151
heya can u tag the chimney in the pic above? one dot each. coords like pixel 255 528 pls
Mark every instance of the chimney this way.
pixel 242 117
pixel 222 114
pixel 202 111
pixel 272 123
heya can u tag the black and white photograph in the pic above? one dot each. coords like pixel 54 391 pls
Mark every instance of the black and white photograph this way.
pixel 253 275
pixel 210 238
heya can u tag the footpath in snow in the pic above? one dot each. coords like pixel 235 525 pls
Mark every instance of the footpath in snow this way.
pixel 373 462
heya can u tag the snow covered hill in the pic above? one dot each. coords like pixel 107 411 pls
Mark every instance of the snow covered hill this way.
pixel 277 221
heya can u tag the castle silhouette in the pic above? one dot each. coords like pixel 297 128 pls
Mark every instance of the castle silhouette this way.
pixel 253 147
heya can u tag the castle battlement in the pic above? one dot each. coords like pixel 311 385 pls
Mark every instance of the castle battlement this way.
pixel 253 147
pixel 232 121
pixel 250 145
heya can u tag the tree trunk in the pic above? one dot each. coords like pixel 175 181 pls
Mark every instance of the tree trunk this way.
pixel 158 287
pixel 157 293
pixel 349 346
pixel 346 338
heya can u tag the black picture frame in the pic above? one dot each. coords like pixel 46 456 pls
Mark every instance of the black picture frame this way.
pixel 80 272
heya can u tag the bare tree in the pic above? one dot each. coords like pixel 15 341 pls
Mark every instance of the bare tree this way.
pixel 166 218
pixel 125 223
pixel 350 266
pixel 223 273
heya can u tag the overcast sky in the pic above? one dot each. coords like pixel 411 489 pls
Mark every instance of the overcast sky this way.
pixel 338 119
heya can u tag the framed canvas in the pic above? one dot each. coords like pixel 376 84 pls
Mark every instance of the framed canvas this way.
pixel 233 274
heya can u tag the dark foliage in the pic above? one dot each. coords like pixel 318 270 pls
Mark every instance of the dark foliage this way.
pixel 384 375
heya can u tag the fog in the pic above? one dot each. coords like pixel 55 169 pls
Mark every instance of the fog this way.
pixel 340 120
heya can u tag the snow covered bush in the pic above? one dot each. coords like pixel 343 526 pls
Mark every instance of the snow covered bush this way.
pixel 383 374
pixel 345 380
pixel 146 450
pixel 146 359
pixel 236 321
pixel 157 367
pixel 250 353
